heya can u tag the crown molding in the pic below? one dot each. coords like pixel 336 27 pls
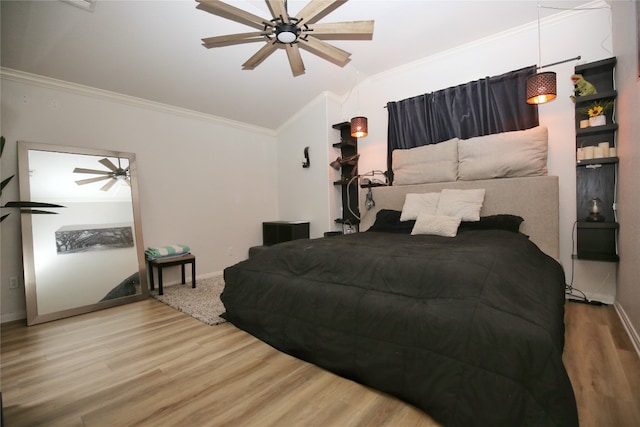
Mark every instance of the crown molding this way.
pixel 55 84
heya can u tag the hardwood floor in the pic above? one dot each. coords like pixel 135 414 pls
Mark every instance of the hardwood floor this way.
pixel 146 364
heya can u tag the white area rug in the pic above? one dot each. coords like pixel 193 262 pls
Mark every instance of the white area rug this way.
pixel 203 302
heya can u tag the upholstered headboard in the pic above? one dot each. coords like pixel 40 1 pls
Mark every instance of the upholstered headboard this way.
pixel 533 198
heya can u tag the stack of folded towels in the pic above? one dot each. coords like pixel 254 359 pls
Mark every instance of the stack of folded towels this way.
pixel 166 251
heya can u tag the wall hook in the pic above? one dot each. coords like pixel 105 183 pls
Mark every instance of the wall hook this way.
pixel 306 162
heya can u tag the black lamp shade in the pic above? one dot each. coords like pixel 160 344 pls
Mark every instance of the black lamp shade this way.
pixel 359 127
pixel 541 88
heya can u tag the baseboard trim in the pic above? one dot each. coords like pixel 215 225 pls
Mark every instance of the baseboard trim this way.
pixel 628 326
pixel 12 317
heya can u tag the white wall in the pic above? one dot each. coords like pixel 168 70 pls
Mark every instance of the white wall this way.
pixel 501 53
pixel 303 193
pixel 308 194
pixel 627 51
pixel 203 182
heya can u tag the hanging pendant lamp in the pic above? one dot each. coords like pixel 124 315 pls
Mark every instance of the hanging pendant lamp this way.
pixel 541 87
pixel 359 125
pixel 359 128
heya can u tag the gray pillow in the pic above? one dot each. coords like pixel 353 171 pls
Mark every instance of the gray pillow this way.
pixel 427 163
pixel 504 155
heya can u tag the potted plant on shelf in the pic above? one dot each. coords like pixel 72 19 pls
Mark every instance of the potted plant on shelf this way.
pixel 596 112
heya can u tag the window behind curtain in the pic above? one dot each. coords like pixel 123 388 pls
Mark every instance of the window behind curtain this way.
pixel 482 107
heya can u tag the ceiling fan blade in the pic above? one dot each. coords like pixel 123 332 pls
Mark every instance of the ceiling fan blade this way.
pixel 278 10
pixel 227 11
pixel 315 10
pixel 295 60
pixel 232 39
pixel 108 185
pixel 354 30
pixel 259 56
pixel 109 164
pixel 91 171
pixel 325 50
pixel 90 180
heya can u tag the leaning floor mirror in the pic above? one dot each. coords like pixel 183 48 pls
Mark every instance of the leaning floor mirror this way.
pixel 90 254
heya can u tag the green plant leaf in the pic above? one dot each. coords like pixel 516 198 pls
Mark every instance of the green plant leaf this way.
pixel 5 182
pixel 2 141
pixel 31 205
pixel 3 217
pixel 36 211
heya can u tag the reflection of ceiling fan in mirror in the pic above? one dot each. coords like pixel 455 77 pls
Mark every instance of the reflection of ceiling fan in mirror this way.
pixel 289 32
pixel 114 174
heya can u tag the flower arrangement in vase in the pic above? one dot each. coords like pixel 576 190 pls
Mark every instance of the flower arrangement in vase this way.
pixel 596 112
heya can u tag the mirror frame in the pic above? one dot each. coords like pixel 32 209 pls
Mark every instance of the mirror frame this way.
pixel 31 289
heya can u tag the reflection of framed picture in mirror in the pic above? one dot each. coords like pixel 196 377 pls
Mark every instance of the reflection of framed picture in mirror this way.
pixel 73 239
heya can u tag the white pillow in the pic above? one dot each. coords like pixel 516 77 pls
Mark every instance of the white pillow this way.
pixel 465 204
pixel 427 163
pixel 504 155
pixel 415 204
pixel 446 226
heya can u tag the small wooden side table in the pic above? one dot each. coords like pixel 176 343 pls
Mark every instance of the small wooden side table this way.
pixel 161 263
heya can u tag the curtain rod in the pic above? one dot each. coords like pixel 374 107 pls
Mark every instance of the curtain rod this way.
pixel 577 58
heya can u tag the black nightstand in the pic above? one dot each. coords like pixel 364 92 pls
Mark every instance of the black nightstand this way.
pixel 274 232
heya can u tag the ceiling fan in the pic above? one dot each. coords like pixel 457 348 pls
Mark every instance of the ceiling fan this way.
pixel 289 32
pixel 114 174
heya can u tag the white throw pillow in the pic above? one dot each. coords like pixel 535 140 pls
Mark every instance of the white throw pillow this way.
pixel 415 204
pixel 504 155
pixel 427 163
pixel 465 204
pixel 446 226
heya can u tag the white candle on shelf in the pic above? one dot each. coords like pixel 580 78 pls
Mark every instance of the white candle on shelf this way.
pixel 598 152
pixel 588 152
pixel 613 152
pixel 580 154
pixel 604 146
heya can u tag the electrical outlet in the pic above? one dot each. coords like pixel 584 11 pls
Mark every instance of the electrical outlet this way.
pixel 13 283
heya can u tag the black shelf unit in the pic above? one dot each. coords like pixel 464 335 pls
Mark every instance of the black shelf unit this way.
pixel 597 241
pixel 348 147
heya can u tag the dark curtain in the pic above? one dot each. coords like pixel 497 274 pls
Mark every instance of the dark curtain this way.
pixel 482 107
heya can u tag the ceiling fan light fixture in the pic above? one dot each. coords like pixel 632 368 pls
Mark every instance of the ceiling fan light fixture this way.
pixel 541 88
pixel 287 33
pixel 359 127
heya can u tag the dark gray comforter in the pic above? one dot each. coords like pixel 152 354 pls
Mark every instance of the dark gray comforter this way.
pixel 470 329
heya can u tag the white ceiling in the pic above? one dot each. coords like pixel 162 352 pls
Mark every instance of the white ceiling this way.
pixel 151 49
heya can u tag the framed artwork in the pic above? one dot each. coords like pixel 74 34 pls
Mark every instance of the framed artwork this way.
pixel 71 240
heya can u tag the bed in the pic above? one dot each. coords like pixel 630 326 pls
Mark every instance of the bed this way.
pixel 469 329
